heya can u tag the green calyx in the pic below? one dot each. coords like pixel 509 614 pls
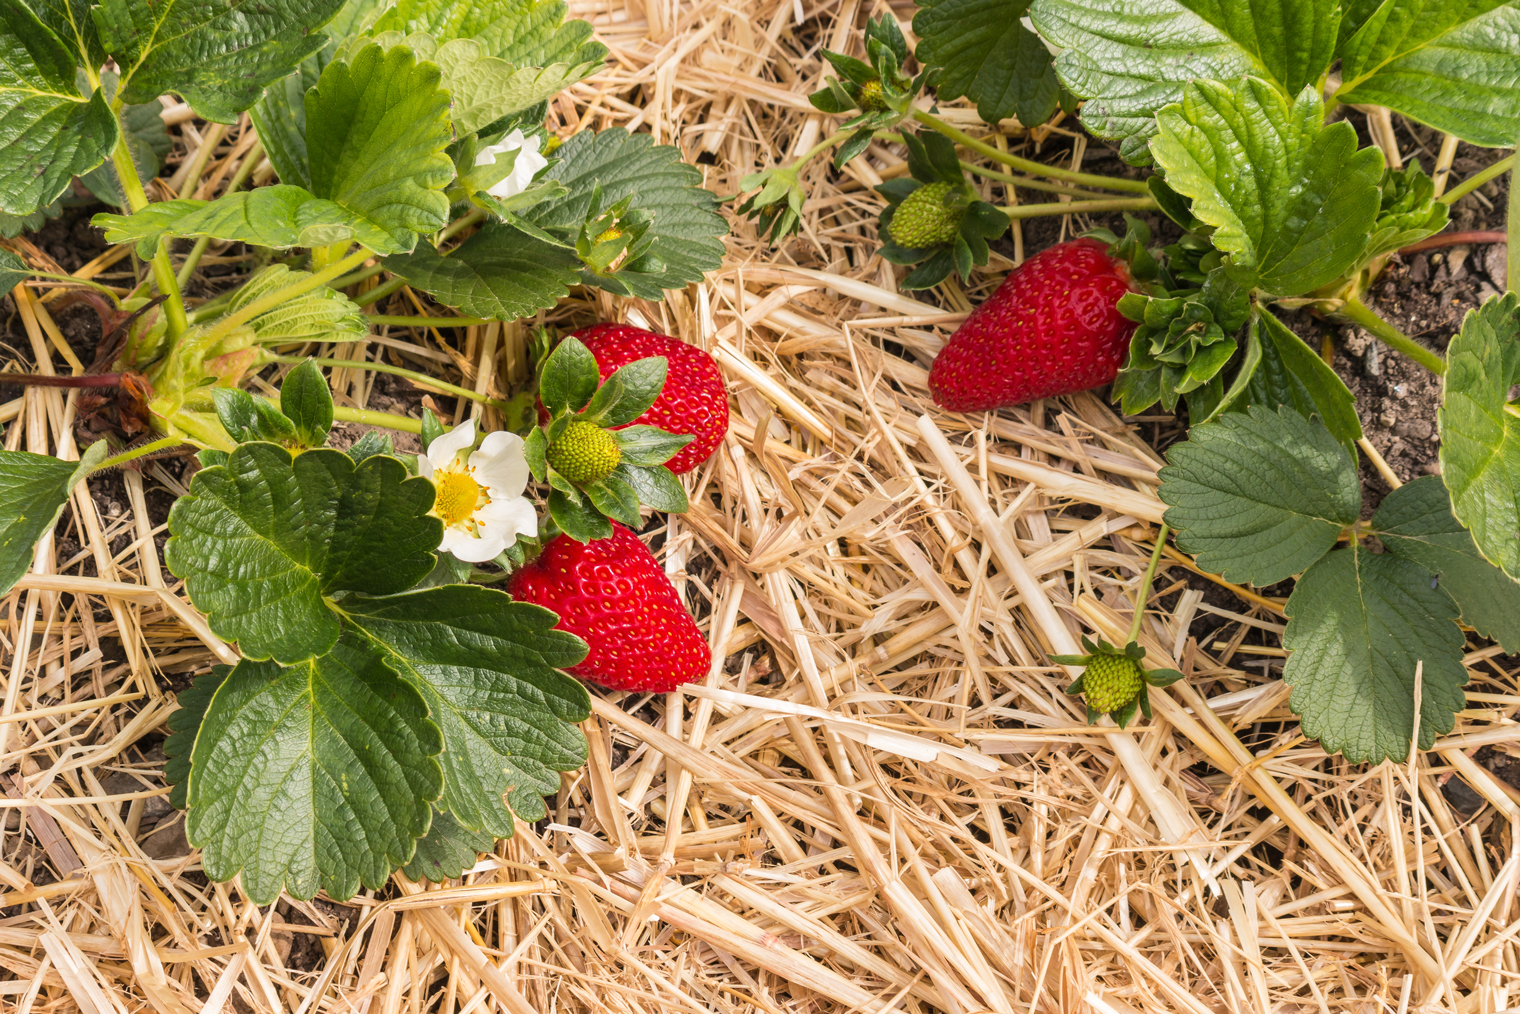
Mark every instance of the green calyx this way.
pixel 585 453
pixel 928 217
pixel 1113 681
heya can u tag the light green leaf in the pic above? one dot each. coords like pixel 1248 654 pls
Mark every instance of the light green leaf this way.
pixel 1415 522
pixel 280 216
pixel 1291 374
pixel 447 850
pixel 984 52
pixel 1130 60
pixel 49 132
pixel 687 228
pixel 1452 64
pixel 320 314
pixel 316 776
pixel 184 725
pixel 499 273
pixel 376 129
pixel 263 540
pixel 1480 430
pixel 1358 624
pixel 1259 496
pixel 218 54
pixel 33 490
pixel 307 401
pixel 490 672
pixel 526 33
pixel 1286 195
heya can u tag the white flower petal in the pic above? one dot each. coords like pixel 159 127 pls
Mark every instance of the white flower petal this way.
pixel 501 465
pixel 441 452
pixel 508 518
pixel 526 166
pixel 424 466
pixel 470 549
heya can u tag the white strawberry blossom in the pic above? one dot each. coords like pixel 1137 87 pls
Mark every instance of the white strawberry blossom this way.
pixel 528 163
pixel 479 492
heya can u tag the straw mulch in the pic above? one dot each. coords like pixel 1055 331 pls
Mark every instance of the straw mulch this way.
pixel 886 802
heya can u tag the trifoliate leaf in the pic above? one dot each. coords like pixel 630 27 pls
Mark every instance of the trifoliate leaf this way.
pixel 686 228
pixel 1290 373
pixel 1288 196
pixel 376 129
pixel 1415 522
pixel 49 132
pixel 983 51
pixel 1130 60
pixel 320 314
pixel 1358 623
pixel 1480 430
pixel 316 776
pixel 447 850
pixel 499 273
pixel 307 402
pixel 263 540
pixel 490 672
pixel 184 724
pixel 33 490
pixel 1259 496
pixel 1453 65
pixel 219 55
pixel 527 33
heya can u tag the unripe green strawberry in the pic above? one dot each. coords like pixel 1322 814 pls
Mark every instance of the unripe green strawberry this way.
pixel 1111 682
pixel 585 453
pixel 610 234
pixel 922 220
pixel 871 98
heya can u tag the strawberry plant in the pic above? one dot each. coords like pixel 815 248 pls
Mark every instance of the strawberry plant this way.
pixel 391 707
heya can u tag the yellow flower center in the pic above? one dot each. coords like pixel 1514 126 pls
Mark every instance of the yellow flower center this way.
pixel 458 496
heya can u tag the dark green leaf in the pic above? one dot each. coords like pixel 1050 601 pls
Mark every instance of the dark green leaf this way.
pixel 147 139
pixel 1292 374
pixel 1415 522
pixel 984 52
pixel 490 672
pixel 307 401
pixel 575 516
pixel 615 498
pixel 1259 496
pixel 569 377
pixel 245 417
pixel 499 273
pixel 370 444
pixel 184 724
pixel 1358 624
pixel 447 850
pixel 316 776
pixel 13 271
pixel 432 429
pixel 641 382
pixel 656 487
pixel 262 541
pixel 33 490
pixel 650 445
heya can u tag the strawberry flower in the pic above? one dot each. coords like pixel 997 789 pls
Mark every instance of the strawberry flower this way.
pixel 479 492
pixel 526 165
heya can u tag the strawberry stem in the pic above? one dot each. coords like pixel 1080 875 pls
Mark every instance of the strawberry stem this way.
pixel 1358 313
pixel 1453 239
pixel 163 269
pixel 1079 207
pixel 370 417
pixel 1026 165
pixel 132 454
pixel 1144 594
pixel 397 371
pixel 1475 181
pixel 43 380
pixel 1030 183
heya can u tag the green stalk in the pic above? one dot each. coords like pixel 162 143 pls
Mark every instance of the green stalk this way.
pixel 405 321
pixel 187 269
pixel 322 256
pixel 1029 183
pixel 384 419
pixel 1027 165
pixel 1476 180
pixel 1079 207
pixel 395 371
pixel 456 227
pixel 228 324
pixel 163 269
pixel 1145 584
pixel 1358 313
pixel 378 293
pixel 162 444
pixel 1513 214
pixel 356 277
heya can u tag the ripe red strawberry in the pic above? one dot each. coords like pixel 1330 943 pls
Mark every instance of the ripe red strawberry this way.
pixel 612 594
pixel 1052 327
pixel 693 400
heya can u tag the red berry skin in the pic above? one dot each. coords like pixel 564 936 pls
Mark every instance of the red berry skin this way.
pixel 693 400
pixel 612 594
pixel 1053 327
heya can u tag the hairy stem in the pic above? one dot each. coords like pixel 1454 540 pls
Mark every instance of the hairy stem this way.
pixel 44 380
pixel 1026 165
pixel 1358 313
pixel 1030 183
pixel 379 292
pixel 1079 207
pixel 1476 180
pixel 163 269
pixel 162 444
pixel 354 278
pixel 230 323
pixel 395 371
pixel 371 418
pixel 1144 594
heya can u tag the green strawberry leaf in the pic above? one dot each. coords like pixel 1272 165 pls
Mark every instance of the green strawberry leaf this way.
pixel 371 444
pixel 245 417
pixel 1259 496
pixel 33 491
pixel 574 514
pixel 279 117
pixel 147 139
pixel 1410 212
pixel 1452 65
pixel 218 54
pixel 376 129
pixel 528 33
pixel 569 377
pixel 1290 373
pixel 615 498
pixel 649 445
pixel 264 540
pixel 983 51
pixel 499 273
pixel 628 392
pixel 50 132
pixel 447 850
pixel 655 487
pixel 184 725
pixel 12 226
pixel 307 401
pixel 320 314
pixel 1286 195
pixel 1130 60
pixel 1415 522
pixel 1358 624
pixel 315 776
pixel 489 670
pixel 13 270
pixel 685 237
pixel 1480 430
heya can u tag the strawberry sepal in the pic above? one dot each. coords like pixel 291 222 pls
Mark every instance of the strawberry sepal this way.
pixel 1113 681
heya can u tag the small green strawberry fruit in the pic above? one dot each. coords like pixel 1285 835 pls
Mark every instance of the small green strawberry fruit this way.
pixel 585 453
pixel 924 220
pixel 871 97
pixel 611 234
pixel 1111 682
